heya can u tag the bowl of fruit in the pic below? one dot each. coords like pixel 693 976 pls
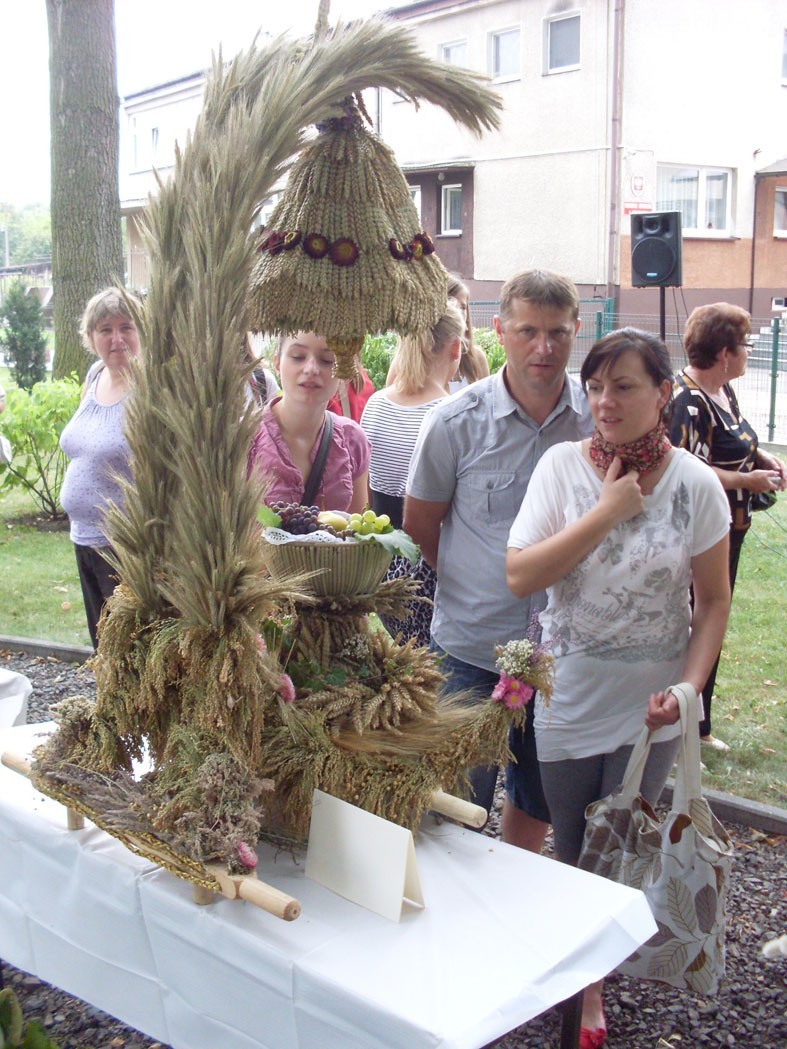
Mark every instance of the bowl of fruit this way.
pixel 345 553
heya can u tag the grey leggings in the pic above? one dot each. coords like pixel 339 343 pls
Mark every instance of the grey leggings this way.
pixel 571 785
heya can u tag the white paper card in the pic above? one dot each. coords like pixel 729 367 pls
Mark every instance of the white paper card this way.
pixel 362 857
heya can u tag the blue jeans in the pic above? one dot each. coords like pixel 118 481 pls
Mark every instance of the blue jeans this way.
pixel 523 780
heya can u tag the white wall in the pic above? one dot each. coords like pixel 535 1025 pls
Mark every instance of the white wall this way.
pixel 703 87
pixel 541 179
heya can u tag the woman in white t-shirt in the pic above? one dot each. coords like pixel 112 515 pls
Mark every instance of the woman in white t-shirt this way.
pixel 615 528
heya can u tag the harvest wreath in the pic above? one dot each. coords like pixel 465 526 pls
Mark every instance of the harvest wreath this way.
pixel 246 687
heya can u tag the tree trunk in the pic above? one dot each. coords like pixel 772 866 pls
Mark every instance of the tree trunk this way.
pixel 87 253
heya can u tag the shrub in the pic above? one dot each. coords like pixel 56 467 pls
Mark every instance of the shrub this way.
pixel 486 339
pixel 33 422
pixel 376 356
pixel 14 1032
pixel 24 339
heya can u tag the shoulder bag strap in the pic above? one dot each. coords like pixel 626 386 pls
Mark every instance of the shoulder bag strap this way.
pixel 318 466
pixel 688 778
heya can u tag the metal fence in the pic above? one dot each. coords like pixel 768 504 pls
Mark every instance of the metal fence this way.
pixel 762 391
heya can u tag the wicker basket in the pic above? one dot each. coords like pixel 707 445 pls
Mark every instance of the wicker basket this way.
pixel 346 568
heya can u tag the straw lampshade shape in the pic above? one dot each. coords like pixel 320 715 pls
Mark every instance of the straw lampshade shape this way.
pixel 344 253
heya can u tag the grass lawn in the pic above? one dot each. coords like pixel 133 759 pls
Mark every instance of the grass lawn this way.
pixel 40 598
pixel 750 712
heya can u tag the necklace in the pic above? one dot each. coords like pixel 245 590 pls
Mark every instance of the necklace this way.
pixel 644 455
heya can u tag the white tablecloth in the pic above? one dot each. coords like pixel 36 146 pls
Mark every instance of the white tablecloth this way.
pixel 504 935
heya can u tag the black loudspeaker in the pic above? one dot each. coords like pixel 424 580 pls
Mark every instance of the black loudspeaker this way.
pixel 656 250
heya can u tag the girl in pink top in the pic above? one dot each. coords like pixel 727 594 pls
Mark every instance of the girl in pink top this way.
pixel 288 439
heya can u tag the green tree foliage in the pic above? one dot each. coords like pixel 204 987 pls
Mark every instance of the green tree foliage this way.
pixel 29 233
pixel 86 243
pixel 486 339
pixel 33 422
pixel 376 356
pixel 23 337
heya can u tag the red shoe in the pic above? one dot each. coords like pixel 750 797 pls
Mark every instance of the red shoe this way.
pixel 592 1039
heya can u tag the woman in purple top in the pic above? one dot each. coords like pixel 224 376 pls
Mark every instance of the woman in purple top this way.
pixel 95 443
pixel 291 429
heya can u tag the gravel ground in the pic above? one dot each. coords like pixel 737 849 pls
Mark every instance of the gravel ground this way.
pixel 751 1009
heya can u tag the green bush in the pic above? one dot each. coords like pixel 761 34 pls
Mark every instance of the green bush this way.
pixel 32 422
pixel 486 339
pixel 23 338
pixel 14 1032
pixel 376 356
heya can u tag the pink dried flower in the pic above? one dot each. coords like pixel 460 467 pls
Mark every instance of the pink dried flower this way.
pixel 513 692
pixel 246 855
pixel 261 643
pixel 286 688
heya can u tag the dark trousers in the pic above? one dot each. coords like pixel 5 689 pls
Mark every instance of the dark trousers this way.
pixel 736 542
pixel 98 581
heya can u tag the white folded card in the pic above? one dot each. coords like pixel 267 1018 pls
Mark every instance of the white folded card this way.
pixel 362 857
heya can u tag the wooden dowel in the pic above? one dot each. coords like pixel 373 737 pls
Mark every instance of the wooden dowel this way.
pixel 202 896
pixel 270 899
pixel 74 820
pixel 458 809
pixel 258 893
pixel 18 762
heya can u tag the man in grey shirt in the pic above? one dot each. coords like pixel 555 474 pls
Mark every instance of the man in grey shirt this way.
pixel 470 469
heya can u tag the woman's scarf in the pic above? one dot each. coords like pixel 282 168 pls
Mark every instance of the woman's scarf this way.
pixel 643 455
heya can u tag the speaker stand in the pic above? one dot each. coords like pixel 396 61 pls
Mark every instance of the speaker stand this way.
pixel 663 313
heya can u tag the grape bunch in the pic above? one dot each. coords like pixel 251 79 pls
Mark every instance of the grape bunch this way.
pixel 297 519
pixel 369 523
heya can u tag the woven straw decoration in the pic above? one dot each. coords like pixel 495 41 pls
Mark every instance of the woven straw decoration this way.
pixel 346 197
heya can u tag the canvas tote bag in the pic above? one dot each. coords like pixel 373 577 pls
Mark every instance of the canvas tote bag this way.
pixel 682 865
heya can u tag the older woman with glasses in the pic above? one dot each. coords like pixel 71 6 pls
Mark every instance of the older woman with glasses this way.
pixel 707 421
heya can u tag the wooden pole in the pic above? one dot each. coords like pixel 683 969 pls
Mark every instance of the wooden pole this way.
pixel 458 809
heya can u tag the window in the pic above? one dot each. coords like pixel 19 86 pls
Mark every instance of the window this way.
pixel 784 58
pixel 455 53
pixel 504 54
pixel 451 210
pixel 780 212
pixel 562 43
pixel 415 194
pixel 701 195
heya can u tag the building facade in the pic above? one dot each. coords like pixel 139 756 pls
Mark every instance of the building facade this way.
pixel 610 108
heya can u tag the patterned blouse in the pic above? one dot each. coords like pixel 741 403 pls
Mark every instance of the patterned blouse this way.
pixel 720 438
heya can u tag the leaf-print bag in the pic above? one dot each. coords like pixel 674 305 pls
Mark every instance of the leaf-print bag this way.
pixel 682 865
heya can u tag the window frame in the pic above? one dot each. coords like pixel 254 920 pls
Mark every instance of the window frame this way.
pixel 549 21
pixel 442 48
pixel 703 172
pixel 493 36
pixel 416 197
pixel 449 231
pixel 784 58
pixel 780 232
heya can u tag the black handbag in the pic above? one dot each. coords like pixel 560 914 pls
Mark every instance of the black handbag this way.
pixel 763 501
